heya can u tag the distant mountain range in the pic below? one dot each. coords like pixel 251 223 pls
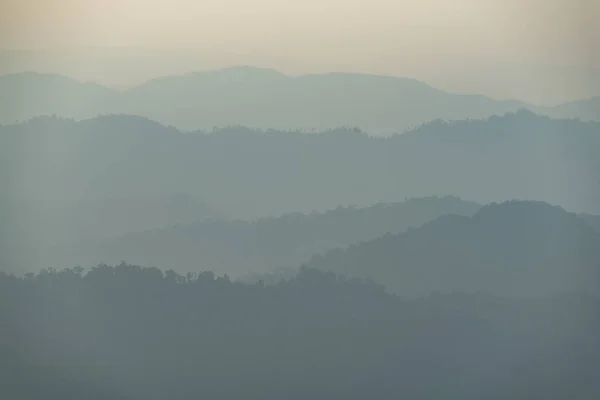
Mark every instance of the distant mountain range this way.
pixel 513 248
pixel 31 227
pixel 250 174
pixel 51 167
pixel 27 95
pixel 240 248
pixel 415 247
pixel 263 98
pixel 587 110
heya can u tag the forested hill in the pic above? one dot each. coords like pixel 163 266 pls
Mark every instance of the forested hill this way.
pixel 135 333
pixel 241 247
pixel 252 173
pixel 513 248
pixel 50 166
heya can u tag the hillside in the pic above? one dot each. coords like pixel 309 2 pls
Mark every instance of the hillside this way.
pixel 253 173
pixel 513 248
pixel 138 333
pixel 254 97
pixel 32 227
pixel 585 109
pixel 239 248
pixel 261 98
pixel 50 165
pixel 264 99
pixel 29 94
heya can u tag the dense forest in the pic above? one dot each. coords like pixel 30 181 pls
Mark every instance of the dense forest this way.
pixel 128 332
pixel 500 302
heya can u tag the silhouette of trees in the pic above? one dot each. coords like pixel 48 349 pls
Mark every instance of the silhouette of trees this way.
pixel 136 333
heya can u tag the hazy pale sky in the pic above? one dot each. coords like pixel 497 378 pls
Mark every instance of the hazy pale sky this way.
pixel 427 39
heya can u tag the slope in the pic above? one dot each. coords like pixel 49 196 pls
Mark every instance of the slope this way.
pixel 513 248
pixel 240 247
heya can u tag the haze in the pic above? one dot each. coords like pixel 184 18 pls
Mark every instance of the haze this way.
pixel 309 199
pixel 543 52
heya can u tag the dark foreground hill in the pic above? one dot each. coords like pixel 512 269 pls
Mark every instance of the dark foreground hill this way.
pixel 243 247
pixel 132 333
pixel 513 248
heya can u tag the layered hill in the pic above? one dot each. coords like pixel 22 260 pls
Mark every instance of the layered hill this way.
pixel 49 167
pixel 513 248
pixel 239 248
pixel 262 98
pixel 252 173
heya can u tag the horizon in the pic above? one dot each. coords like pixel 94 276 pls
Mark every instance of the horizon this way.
pixel 120 88
pixel 543 52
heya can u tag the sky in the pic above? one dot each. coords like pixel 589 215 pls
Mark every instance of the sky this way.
pixel 485 46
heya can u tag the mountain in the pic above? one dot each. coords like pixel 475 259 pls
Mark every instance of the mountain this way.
pixel 48 165
pixel 30 94
pixel 252 173
pixel 135 333
pixel 262 98
pixel 513 248
pixel 239 248
pixel 32 227
pixel 586 110
pixel 518 156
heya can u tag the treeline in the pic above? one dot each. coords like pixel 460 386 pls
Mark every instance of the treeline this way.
pixel 128 332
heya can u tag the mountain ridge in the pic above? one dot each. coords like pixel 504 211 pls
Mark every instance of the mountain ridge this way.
pixel 239 247
pixel 514 248
pixel 265 98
